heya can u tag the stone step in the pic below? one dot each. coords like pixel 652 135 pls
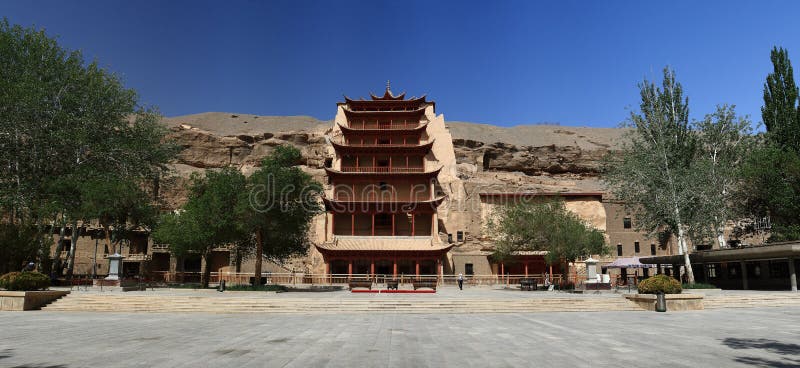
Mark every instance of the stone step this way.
pixel 147 303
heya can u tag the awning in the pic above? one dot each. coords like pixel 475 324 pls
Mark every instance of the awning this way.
pixel 628 262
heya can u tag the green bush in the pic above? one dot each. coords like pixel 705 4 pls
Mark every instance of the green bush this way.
pixel 699 285
pixel 24 281
pixel 660 284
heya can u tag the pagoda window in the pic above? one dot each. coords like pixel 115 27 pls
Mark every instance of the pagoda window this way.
pixel 383 186
pixel 383 163
pixel 384 141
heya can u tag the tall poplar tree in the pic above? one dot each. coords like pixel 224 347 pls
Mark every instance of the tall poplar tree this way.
pixel 780 113
pixel 651 173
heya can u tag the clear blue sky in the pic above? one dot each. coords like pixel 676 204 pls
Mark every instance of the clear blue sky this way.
pixel 504 62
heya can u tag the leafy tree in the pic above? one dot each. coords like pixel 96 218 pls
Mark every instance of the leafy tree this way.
pixel 61 121
pixel 652 172
pixel 280 203
pixel 780 112
pixel 208 220
pixel 544 226
pixel 724 142
pixel 771 174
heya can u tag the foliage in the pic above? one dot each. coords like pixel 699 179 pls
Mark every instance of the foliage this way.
pixel 24 281
pixel 208 220
pixel 63 121
pixel 780 112
pixel 698 285
pixel 544 226
pixel 279 205
pixel 771 175
pixel 18 246
pixel 660 284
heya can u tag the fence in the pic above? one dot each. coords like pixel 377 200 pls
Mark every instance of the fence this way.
pixel 297 278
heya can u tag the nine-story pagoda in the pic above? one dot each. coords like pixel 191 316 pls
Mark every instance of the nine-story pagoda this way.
pixel 381 200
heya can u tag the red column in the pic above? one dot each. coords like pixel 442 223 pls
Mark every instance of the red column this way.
pixel 393 226
pixel 353 224
pixel 372 266
pixel 416 266
pixel 373 224
pixel 349 267
pixel 551 274
pixel 526 269
pixel 412 224
pixel 394 267
pixel 356 162
pixel 390 163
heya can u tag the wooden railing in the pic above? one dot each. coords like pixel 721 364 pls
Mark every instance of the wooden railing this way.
pixel 373 126
pixel 383 169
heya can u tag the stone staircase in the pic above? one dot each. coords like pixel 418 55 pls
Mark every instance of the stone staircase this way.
pixel 280 304
pixel 752 301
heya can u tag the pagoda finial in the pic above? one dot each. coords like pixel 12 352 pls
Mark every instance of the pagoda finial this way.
pixel 387 85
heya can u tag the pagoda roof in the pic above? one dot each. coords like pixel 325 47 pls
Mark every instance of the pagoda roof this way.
pixel 396 148
pixel 383 243
pixel 376 130
pixel 378 206
pixel 397 171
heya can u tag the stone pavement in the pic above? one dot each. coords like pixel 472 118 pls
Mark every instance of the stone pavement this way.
pixel 715 338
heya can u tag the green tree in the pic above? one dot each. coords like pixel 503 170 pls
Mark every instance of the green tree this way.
pixel 544 226
pixel 771 174
pixel 651 173
pixel 724 142
pixel 61 121
pixel 780 112
pixel 280 203
pixel 208 220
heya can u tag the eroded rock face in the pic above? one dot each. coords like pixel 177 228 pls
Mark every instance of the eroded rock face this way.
pixel 544 160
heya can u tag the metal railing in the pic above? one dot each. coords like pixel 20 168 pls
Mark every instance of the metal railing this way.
pixel 298 278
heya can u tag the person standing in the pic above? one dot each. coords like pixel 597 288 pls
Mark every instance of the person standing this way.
pixel 460 281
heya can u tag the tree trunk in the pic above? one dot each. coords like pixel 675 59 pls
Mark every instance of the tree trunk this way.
pixel 56 268
pixel 685 251
pixel 206 275
pixel 76 233
pixel 259 256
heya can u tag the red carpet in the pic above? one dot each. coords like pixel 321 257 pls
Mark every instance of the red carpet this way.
pixel 394 291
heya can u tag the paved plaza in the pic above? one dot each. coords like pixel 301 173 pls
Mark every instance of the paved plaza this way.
pixel 712 338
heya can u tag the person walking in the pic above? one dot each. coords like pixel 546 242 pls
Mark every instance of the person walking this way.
pixel 460 281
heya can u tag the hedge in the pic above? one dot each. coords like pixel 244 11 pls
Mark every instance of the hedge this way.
pixel 660 284
pixel 24 281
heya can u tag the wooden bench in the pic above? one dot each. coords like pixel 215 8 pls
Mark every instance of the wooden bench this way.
pixel 424 283
pixel 354 283
pixel 527 284
pixel 392 284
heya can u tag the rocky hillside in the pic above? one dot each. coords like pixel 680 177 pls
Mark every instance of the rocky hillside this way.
pixel 548 156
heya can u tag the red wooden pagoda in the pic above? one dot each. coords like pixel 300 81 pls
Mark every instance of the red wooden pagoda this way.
pixel 381 201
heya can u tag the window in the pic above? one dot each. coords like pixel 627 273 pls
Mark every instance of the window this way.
pixel 383 163
pixel 383 219
pixel 450 238
pixel 619 250
pixel 383 141
pixel 626 222
pixel 383 186
pixel 711 271
pixel 459 236
pixel 468 269
pixel 652 249
pixel 734 269
pixel 636 247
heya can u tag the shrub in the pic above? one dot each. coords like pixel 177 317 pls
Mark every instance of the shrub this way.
pixel 24 281
pixel 660 284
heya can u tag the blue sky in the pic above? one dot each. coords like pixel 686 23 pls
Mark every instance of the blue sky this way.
pixel 505 62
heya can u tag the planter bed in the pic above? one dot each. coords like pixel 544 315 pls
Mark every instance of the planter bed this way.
pixel 28 300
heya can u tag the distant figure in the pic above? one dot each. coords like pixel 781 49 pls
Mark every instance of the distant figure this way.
pixel 460 281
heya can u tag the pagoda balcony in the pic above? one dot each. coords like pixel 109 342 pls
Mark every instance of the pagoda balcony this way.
pixel 353 146
pixel 355 127
pixel 383 169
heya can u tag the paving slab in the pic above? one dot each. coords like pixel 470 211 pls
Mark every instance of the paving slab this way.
pixel 717 338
